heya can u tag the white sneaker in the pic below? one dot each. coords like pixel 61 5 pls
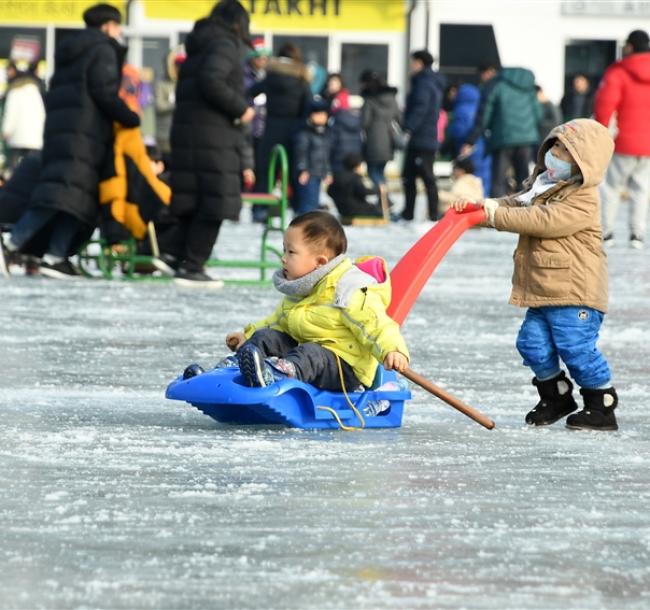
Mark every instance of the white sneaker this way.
pixel 608 240
pixel 636 242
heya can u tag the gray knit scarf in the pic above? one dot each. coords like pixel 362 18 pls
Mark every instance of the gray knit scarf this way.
pixel 302 286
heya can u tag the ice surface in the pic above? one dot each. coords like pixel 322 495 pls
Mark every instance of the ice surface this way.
pixel 113 497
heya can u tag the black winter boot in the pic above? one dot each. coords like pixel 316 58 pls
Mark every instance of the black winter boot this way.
pixel 556 401
pixel 598 413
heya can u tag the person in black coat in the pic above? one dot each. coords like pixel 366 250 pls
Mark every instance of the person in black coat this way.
pixel 312 158
pixel 206 138
pixel 81 105
pixel 288 99
pixel 344 135
pixel 421 126
pixel 380 118
pixel 578 102
pixel 349 193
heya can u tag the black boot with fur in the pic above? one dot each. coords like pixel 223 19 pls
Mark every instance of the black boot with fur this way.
pixel 598 413
pixel 556 401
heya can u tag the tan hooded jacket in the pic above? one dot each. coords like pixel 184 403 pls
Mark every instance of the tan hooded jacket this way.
pixel 559 259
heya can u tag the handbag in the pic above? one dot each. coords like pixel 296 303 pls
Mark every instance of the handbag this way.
pixel 397 136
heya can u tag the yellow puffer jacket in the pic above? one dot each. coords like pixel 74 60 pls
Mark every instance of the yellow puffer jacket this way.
pixel 345 313
pixel 133 193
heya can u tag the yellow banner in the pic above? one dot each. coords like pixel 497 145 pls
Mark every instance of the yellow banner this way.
pixel 295 15
pixel 57 12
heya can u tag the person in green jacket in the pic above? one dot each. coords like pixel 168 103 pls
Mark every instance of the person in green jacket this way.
pixel 331 328
pixel 511 117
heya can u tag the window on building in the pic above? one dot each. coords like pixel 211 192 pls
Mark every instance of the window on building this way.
pixel 154 55
pixel 588 57
pixel 464 47
pixel 357 57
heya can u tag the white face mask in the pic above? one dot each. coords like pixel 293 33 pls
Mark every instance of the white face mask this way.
pixel 557 168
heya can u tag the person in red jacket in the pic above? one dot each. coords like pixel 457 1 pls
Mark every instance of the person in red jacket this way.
pixel 625 91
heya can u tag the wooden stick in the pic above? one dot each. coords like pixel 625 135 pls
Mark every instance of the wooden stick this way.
pixel 452 401
pixel 153 239
pixel 383 200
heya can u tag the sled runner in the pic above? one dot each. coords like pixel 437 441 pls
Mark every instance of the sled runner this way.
pixel 222 394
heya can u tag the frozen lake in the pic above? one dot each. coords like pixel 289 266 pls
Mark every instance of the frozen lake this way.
pixel 113 497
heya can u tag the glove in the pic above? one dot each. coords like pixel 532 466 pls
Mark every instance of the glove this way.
pixel 490 206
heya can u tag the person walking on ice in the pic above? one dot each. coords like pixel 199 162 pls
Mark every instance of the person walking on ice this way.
pixel 561 274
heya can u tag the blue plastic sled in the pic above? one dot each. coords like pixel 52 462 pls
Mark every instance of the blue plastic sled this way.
pixel 223 395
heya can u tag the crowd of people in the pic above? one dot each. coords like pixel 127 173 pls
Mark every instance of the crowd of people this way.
pixel 76 154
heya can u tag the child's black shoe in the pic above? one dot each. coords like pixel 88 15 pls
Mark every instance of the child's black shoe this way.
pixel 556 401
pixel 598 413
pixel 254 368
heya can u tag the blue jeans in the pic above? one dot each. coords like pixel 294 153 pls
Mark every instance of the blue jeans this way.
pixel 64 229
pixel 569 333
pixel 376 172
pixel 308 195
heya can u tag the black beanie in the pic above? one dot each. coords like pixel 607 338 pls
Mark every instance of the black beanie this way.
pixel 99 14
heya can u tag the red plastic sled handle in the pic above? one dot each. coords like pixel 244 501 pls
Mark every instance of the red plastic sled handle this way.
pixel 414 269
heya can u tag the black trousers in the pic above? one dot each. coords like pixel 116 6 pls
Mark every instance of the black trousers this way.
pixel 190 240
pixel 314 363
pixel 419 164
pixel 519 157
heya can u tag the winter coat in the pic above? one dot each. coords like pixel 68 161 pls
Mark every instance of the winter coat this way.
pixel 576 105
pixel 164 101
pixel 81 105
pixel 16 194
pixel 559 259
pixel 423 105
pixel 287 104
pixel 378 113
pixel 312 151
pixel 344 136
pixel 349 194
pixel 24 114
pixel 464 112
pixel 345 313
pixel 550 118
pixel 286 87
pixel 132 195
pixel 625 90
pixel 205 137
pixel 512 112
pixel 251 76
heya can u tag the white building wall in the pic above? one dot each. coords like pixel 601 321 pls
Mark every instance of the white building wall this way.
pixel 529 33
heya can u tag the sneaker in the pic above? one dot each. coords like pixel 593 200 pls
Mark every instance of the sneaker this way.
pixel 63 270
pixel 166 264
pixel 282 367
pixel 608 240
pixel 32 265
pixel 196 279
pixel 636 242
pixel 382 406
pixel 256 371
pixel 228 362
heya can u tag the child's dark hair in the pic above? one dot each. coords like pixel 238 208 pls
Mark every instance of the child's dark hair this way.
pixel 352 160
pixel 323 230
pixel 466 165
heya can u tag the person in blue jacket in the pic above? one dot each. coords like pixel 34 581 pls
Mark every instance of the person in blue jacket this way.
pixel 464 112
pixel 421 126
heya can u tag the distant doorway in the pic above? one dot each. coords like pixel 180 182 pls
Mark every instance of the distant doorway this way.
pixel 588 57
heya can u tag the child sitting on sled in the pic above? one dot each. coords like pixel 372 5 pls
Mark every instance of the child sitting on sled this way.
pixel 331 328
pixel 561 274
